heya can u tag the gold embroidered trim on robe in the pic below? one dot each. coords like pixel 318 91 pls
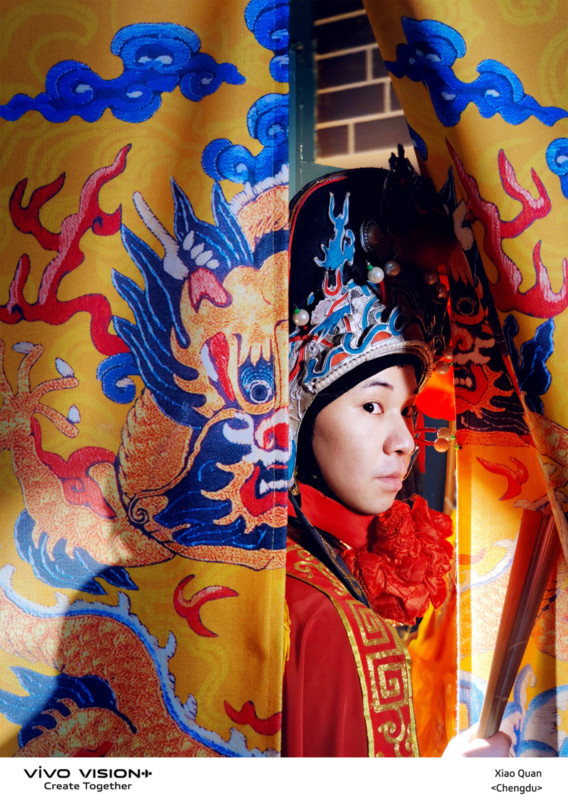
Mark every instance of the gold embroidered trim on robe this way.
pixel 383 665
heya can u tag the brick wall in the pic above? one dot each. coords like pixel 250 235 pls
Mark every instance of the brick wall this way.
pixel 358 118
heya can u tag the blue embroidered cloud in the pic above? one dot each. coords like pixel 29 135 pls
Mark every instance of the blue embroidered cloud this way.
pixel 157 58
pixel 429 56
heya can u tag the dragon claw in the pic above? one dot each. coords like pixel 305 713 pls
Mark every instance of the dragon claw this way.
pixel 19 407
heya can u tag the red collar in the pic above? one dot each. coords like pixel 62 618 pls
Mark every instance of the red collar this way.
pixel 403 566
pixel 334 518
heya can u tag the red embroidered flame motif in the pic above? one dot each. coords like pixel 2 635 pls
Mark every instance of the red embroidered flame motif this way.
pixel 67 244
pixel 404 566
pixel 515 475
pixel 248 716
pixel 190 609
pixel 540 300
pixel 78 486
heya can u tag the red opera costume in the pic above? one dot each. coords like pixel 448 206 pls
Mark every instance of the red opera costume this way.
pixel 374 715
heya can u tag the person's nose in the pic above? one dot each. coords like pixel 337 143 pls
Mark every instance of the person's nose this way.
pixel 400 439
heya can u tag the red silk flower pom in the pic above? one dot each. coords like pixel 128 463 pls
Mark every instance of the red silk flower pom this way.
pixel 404 566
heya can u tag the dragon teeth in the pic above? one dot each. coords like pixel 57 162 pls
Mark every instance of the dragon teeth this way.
pixel 272 486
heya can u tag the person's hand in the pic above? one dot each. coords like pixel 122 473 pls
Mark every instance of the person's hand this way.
pixel 465 745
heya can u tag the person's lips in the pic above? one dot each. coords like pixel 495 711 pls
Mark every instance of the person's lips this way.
pixel 393 480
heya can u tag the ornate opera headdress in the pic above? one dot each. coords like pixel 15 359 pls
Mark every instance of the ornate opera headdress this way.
pixel 365 247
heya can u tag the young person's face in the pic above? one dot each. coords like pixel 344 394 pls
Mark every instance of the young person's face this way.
pixel 363 440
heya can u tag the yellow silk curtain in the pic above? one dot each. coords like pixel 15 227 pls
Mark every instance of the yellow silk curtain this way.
pixel 483 88
pixel 143 213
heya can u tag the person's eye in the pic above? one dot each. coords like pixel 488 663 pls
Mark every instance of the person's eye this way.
pixel 372 408
pixel 409 411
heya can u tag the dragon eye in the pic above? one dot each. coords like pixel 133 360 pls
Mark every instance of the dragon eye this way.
pixel 257 381
pixel 260 391
pixel 466 306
